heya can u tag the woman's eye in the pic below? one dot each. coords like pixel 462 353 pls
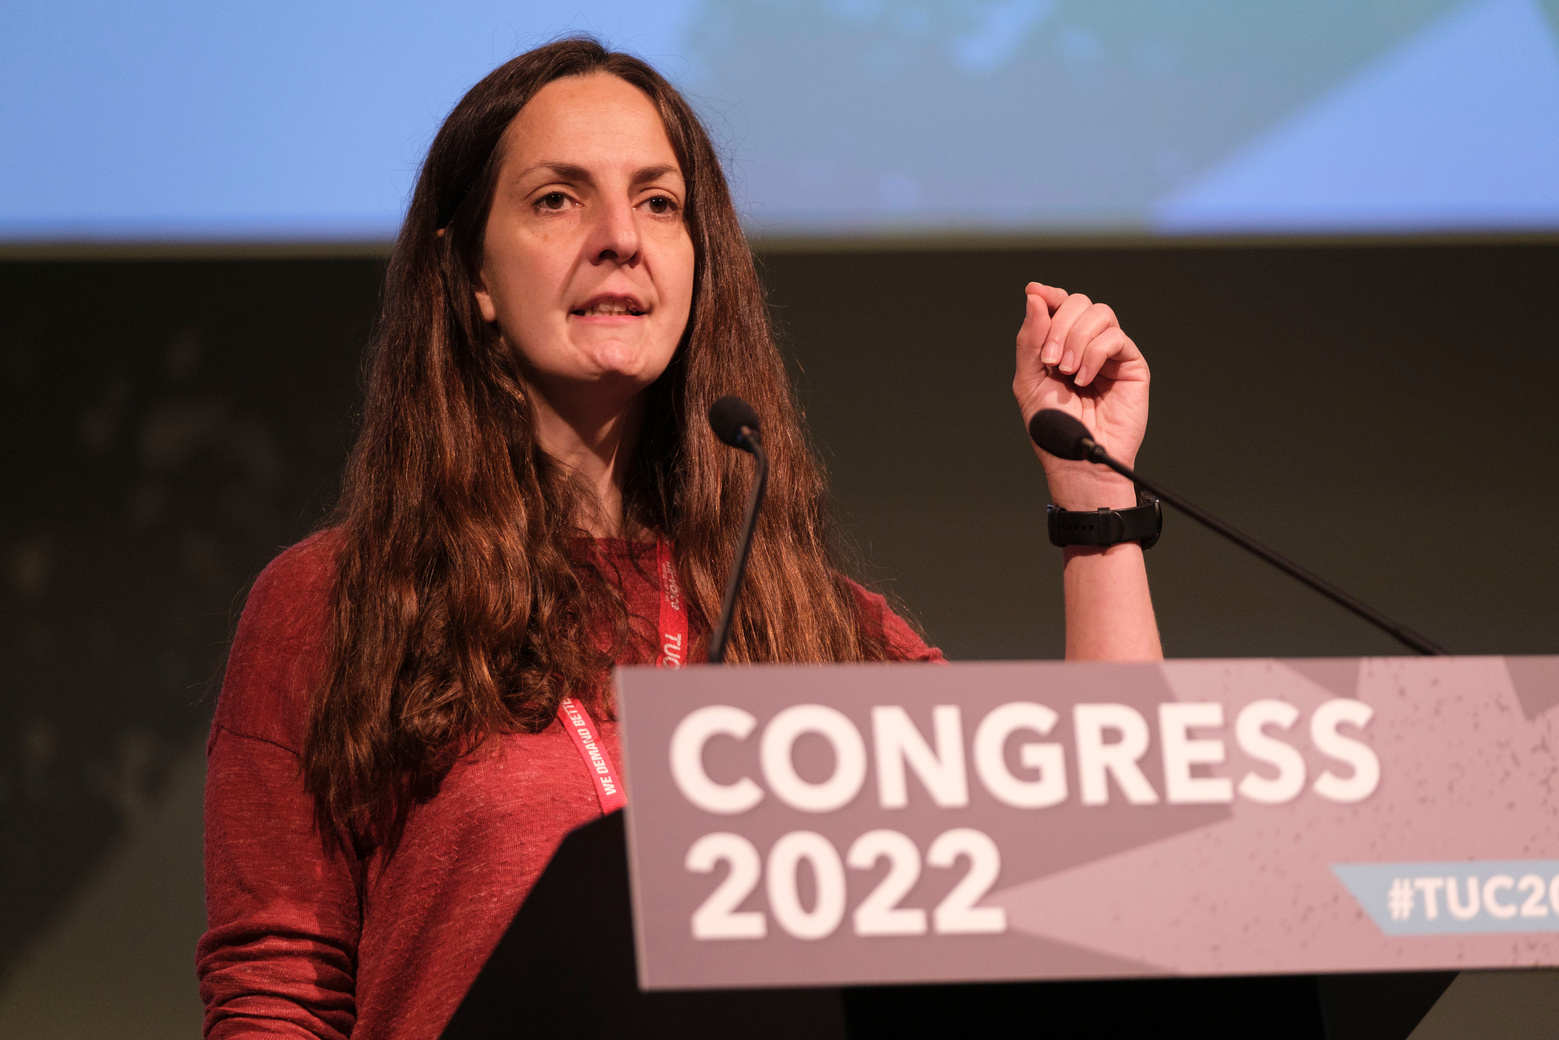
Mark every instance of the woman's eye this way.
pixel 660 205
pixel 553 200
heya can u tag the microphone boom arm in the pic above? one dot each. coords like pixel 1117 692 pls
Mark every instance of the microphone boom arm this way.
pixel 1093 452
pixel 750 442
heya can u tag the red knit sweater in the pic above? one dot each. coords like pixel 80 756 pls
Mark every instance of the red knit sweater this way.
pixel 304 941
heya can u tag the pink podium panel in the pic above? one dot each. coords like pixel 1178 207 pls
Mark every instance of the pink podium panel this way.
pixel 898 823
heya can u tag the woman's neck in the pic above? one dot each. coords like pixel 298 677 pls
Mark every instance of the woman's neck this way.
pixel 596 440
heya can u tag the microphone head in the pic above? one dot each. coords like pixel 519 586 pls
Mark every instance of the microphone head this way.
pixel 1059 433
pixel 728 416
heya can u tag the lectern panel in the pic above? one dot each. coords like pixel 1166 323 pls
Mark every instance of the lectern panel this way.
pixel 862 824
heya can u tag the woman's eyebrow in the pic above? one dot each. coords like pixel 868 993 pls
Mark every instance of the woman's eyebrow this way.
pixel 566 170
pixel 651 173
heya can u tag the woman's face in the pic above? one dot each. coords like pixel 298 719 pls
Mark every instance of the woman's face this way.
pixel 588 265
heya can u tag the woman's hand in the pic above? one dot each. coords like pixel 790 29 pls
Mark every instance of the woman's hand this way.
pixel 1072 355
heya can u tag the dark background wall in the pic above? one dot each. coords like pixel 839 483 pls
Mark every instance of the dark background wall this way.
pixel 1386 414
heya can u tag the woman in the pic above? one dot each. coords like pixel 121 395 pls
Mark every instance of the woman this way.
pixel 533 482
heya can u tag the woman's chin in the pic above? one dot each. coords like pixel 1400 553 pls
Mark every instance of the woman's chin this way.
pixel 617 362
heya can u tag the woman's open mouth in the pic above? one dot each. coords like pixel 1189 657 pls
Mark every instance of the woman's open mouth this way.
pixel 611 306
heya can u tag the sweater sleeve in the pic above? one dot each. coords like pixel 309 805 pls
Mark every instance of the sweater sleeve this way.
pixel 282 907
pixel 904 643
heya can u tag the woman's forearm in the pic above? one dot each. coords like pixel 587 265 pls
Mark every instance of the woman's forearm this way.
pixel 1109 613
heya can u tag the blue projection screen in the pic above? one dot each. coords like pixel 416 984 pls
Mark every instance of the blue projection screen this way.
pixel 172 120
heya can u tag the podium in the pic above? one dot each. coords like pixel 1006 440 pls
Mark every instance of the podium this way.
pixel 565 969
pixel 608 945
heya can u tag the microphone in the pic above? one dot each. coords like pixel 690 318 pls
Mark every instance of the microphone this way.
pixel 1062 434
pixel 1065 437
pixel 734 422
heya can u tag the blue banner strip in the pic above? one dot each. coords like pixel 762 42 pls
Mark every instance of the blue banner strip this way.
pixel 1458 897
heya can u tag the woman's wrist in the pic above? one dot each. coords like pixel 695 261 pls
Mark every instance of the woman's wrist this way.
pixel 1083 485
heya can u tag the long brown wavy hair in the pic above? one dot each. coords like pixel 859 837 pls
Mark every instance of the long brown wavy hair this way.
pixel 462 606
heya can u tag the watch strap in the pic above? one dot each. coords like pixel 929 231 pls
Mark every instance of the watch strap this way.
pixel 1105 527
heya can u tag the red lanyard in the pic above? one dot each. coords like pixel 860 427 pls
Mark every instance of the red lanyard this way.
pixel 673 621
pixel 671 653
pixel 608 788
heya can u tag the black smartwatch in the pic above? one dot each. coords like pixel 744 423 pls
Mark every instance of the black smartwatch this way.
pixel 1105 527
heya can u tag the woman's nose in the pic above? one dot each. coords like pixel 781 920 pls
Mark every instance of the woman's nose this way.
pixel 614 236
